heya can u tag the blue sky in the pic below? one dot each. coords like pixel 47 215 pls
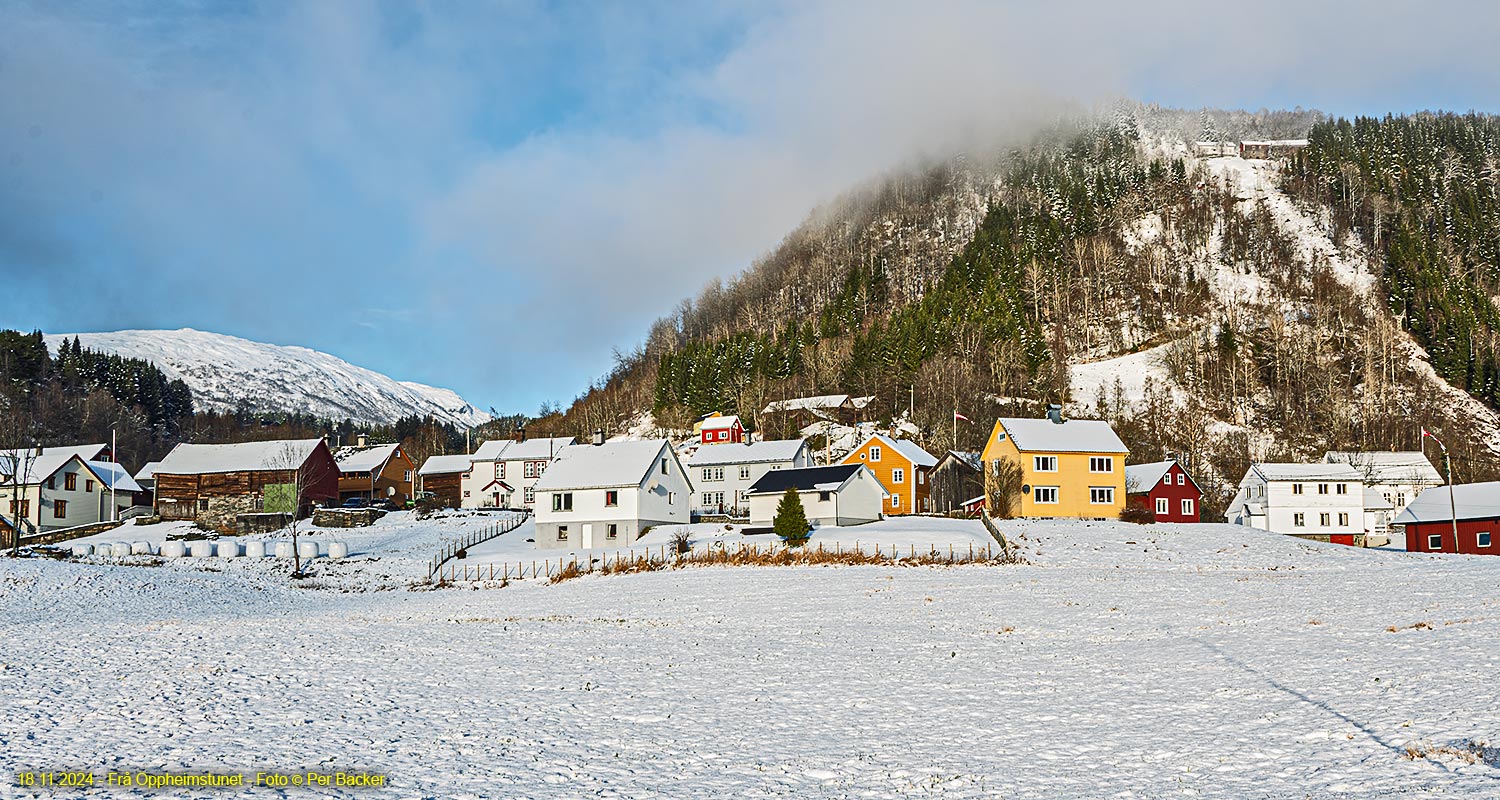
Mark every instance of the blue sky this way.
pixel 493 197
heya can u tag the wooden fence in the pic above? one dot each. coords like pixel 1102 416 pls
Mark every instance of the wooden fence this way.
pixel 488 532
pixel 644 559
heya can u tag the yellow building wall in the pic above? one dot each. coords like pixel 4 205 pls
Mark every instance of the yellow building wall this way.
pixel 912 491
pixel 1072 479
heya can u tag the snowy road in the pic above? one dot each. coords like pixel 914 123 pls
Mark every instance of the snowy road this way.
pixel 1124 661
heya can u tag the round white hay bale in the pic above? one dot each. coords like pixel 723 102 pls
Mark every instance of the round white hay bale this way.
pixel 308 550
pixel 119 549
pixel 227 549
pixel 82 550
pixel 338 550
pixel 140 548
pixel 173 549
pixel 255 549
pixel 284 550
pixel 106 549
pixel 202 549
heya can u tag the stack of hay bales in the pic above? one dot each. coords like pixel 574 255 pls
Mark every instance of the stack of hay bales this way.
pixel 176 549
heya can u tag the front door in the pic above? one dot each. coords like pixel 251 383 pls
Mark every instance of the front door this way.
pixel 588 535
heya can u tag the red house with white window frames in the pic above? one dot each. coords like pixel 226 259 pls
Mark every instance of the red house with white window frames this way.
pixel 1429 521
pixel 1165 489
pixel 723 430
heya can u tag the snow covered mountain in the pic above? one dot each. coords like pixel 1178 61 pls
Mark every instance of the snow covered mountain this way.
pixel 224 371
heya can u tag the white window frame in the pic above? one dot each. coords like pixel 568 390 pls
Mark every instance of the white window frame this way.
pixel 1040 492
pixel 1323 519
pixel 874 452
pixel 611 531
pixel 1181 479
pixel 744 473
pixel 1299 520
pixel 529 495
pixel 895 501
pixel 1101 495
pixel 1434 541
pixel 1187 506
pixel 1162 506
pixel 1322 488
pixel 1107 462
pixel 1296 488
pixel 1044 463
pixel 1343 518
pixel 1342 488
pixel 898 475
pixel 562 533
pixel 1479 542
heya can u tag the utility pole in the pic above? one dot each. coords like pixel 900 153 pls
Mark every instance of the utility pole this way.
pixel 1447 467
pixel 114 476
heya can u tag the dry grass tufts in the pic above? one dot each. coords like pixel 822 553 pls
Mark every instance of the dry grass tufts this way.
pixel 1470 752
pixel 777 557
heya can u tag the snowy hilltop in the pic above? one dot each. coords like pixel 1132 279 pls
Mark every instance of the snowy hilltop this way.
pixel 225 372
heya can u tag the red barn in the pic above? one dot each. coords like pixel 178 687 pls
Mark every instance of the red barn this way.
pixel 1165 489
pixel 1428 521
pixel 723 430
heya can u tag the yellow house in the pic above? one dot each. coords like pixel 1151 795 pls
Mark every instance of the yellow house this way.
pixel 1055 468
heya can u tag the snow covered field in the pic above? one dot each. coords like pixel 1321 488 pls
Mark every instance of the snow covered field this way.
pixel 1123 661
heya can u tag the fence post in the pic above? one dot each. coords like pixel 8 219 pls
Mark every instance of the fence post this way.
pixel 971 551
pixel 950 552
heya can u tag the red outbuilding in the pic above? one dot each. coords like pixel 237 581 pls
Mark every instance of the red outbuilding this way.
pixel 723 430
pixel 1165 489
pixel 1429 520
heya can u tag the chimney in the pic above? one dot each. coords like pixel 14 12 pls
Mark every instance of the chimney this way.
pixel 362 440
pixel 1054 413
pixel 598 436
pixel 520 433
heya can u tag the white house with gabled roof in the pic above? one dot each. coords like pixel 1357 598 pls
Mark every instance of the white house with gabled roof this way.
pixel 59 488
pixel 608 494
pixel 723 475
pixel 505 471
pixel 1398 477
pixel 1301 499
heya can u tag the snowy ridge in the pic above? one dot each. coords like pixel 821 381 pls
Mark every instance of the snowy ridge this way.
pixel 224 371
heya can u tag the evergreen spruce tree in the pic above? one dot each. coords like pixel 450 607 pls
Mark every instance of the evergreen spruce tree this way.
pixel 791 519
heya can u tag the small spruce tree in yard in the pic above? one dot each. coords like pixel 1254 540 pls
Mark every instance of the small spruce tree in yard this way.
pixel 791 519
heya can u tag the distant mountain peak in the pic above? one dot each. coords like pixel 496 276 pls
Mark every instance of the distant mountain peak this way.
pixel 224 371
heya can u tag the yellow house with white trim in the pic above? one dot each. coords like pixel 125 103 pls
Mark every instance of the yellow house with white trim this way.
pixel 1068 468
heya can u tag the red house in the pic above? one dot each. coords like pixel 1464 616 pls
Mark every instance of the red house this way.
pixel 1165 489
pixel 1429 520
pixel 723 430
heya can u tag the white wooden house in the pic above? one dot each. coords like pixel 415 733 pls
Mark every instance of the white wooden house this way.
pixel 1301 499
pixel 609 494
pixel 1398 477
pixel 723 475
pixel 504 471
pixel 843 494
pixel 57 489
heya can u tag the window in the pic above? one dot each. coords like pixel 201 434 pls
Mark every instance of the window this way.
pixel 874 453
pixel 898 475
pixel 25 507
pixel 611 530
pixel 671 498
pixel 1187 508
pixel 408 476
pixel 1434 541
pixel 529 496
pixel 824 497
pixel 664 467
pixel 1400 499
pixel 744 473
pixel 1343 519
pixel 1342 488
pixel 612 497
pixel 59 508
pixel 529 469
pixel 88 486
pixel 562 501
pixel 1296 488
pixel 1323 519
pixel 1299 520
pixel 499 470
pixel 70 481
pixel 1181 479
pixel 1044 494
pixel 1322 488
pixel 1044 463
pixel 895 501
pixel 466 493
pixel 921 478
pixel 51 481
pixel 1101 464
pixel 1483 539
pixel 1161 505
pixel 1101 495
pixel 713 473
pixel 562 532
pixel 723 434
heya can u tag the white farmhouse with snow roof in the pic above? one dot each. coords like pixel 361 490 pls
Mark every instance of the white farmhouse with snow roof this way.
pixel 1301 499
pixel 54 490
pixel 723 475
pixel 843 494
pixel 505 471
pixel 1398 477
pixel 600 495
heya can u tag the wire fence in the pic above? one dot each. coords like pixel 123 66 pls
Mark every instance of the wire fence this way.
pixel 451 549
pixel 647 559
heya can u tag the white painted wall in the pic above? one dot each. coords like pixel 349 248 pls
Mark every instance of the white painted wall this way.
pixel 661 498
pixel 737 480
pixel 1283 504
pixel 859 501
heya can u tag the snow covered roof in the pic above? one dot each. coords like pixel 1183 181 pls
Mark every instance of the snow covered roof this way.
pixel 38 468
pixel 277 454
pixel 805 479
pixel 822 401
pixel 1144 477
pixel 1275 142
pixel 147 472
pixel 1401 467
pixel 756 453
pixel 114 476
pixel 721 423
pixel 1069 436
pixel 543 449
pixel 588 466
pixel 1375 501
pixel 911 450
pixel 1472 500
pixel 364 459
pixel 443 465
pixel 491 450
pixel 1305 472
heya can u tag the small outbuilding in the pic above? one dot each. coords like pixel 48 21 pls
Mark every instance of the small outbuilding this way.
pixel 844 494
pixel 1165 489
pixel 1429 521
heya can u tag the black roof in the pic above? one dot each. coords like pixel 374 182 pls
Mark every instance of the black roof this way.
pixel 803 479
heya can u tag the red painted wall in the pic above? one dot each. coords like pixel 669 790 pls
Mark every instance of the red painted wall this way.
pixel 1468 537
pixel 1174 494
pixel 736 435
